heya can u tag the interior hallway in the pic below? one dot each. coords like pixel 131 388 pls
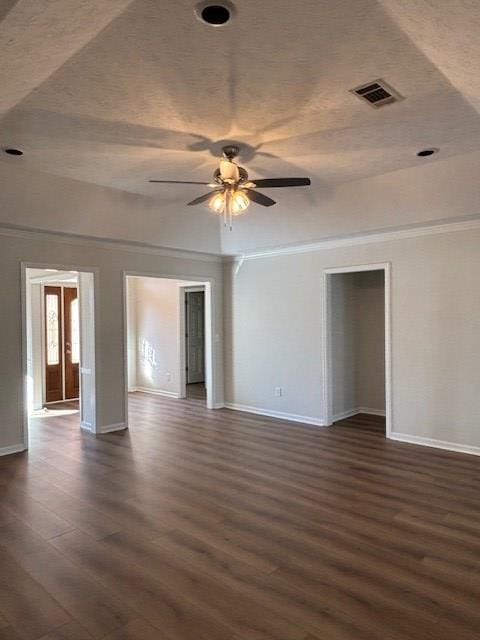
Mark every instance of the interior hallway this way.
pixel 219 525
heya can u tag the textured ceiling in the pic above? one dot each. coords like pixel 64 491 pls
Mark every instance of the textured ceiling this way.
pixel 114 92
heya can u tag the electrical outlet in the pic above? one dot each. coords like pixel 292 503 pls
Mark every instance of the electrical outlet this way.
pixel 278 391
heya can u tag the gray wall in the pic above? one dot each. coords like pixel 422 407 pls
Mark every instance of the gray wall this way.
pixel 357 342
pixel 435 323
pixel 370 340
pixel 343 334
pixel 109 261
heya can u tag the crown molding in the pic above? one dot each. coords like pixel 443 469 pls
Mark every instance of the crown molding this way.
pixel 106 243
pixel 370 237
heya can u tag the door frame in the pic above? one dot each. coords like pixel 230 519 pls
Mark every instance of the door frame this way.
pixel 211 369
pixel 183 289
pixel 327 342
pixel 24 293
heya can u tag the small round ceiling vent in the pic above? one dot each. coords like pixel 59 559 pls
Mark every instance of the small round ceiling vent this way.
pixel 216 15
pixel 427 152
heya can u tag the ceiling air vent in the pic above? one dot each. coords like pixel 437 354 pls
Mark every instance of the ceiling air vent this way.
pixel 377 93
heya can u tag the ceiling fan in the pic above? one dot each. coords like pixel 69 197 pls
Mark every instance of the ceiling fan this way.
pixel 232 189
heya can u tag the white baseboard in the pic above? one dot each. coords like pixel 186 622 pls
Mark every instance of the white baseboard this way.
pixel 344 414
pixel 158 392
pixel 13 448
pixel 109 428
pixel 293 417
pixel 437 444
pixel 354 412
pixel 86 426
pixel 219 405
pixel 372 412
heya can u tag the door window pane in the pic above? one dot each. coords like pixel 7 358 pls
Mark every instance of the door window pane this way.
pixel 75 331
pixel 53 347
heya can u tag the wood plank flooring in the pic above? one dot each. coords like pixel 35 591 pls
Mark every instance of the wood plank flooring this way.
pixel 218 525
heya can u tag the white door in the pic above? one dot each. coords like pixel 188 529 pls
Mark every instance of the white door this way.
pixel 195 341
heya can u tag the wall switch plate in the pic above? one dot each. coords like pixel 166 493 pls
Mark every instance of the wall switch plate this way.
pixel 168 376
pixel 278 391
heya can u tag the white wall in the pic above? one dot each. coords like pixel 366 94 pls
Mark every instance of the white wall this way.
pixel 418 195
pixel 157 335
pixel 109 263
pixel 435 325
pixel 38 200
pixel 37 341
pixel 131 333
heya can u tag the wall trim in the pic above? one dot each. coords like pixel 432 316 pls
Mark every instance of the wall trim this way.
pixel 368 237
pixel 344 415
pixel 13 448
pixel 86 426
pixel 158 392
pixel 292 417
pixel 437 444
pixel 372 412
pixel 106 243
pixel 108 428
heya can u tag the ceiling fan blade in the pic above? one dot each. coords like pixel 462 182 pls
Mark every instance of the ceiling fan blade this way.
pixel 200 199
pixel 177 182
pixel 260 198
pixel 282 182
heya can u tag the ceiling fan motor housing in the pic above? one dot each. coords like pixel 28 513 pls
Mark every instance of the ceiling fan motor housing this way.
pixel 230 151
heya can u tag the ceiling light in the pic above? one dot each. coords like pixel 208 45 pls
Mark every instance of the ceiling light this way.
pixel 239 202
pixel 230 202
pixel 427 152
pixel 215 15
pixel 14 152
pixel 217 202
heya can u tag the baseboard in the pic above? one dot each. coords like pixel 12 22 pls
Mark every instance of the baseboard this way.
pixel 109 428
pixel 372 412
pixel 158 392
pixel 353 412
pixel 344 415
pixel 292 417
pixel 87 426
pixel 219 405
pixel 13 448
pixel 437 444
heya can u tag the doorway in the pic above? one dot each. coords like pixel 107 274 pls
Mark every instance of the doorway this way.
pixel 168 337
pixel 59 346
pixel 195 342
pixel 61 355
pixel 357 343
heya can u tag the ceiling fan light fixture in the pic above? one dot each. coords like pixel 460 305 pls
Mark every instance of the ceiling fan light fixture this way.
pixel 233 191
pixel 217 202
pixel 239 202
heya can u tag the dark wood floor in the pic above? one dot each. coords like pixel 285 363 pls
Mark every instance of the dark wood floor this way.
pixel 197 391
pixel 219 525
